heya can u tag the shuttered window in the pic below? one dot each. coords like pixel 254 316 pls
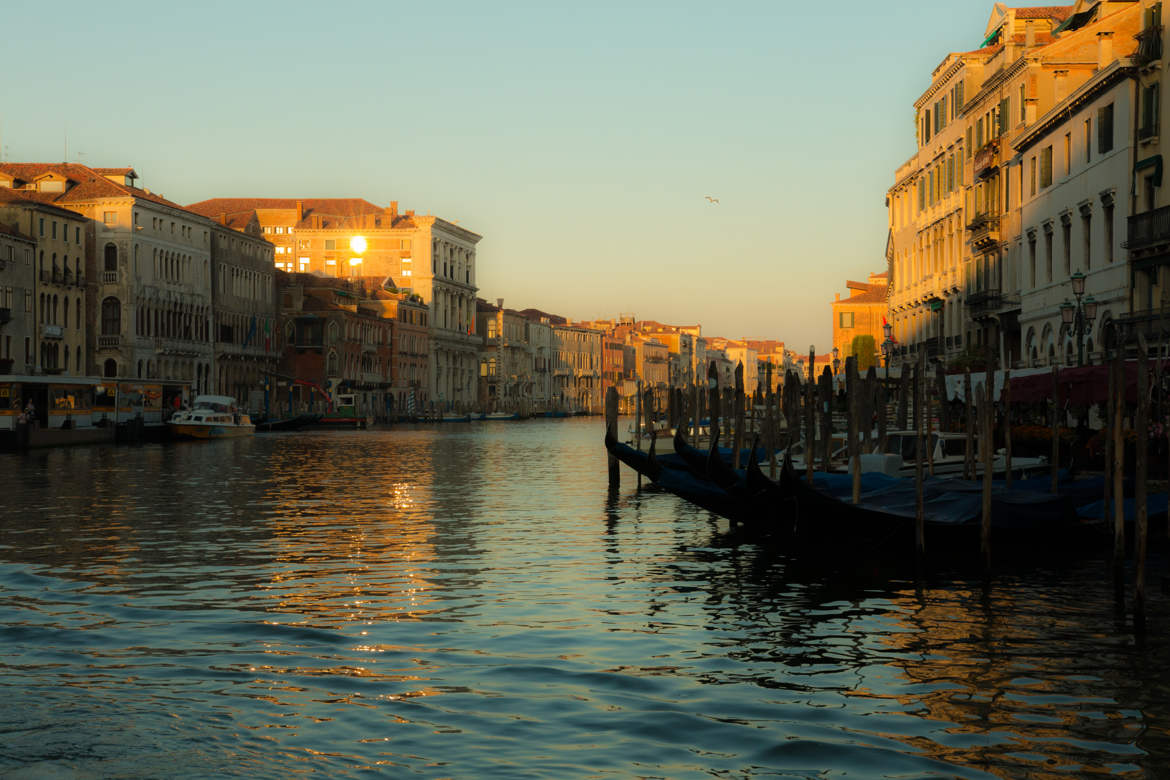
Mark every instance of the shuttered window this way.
pixel 1045 167
pixel 1105 129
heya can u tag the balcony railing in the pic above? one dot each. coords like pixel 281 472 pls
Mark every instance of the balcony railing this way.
pixel 1149 45
pixel 985 157
pixel 109 342
pixel 984 229
pixel 109 277
pixel 1149 227
pixel 52 331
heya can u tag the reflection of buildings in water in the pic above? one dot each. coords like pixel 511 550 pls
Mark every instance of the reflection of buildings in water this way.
pixel 1033 680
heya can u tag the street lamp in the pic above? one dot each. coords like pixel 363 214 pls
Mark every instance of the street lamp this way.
pixel 836 360
pixel 887 343
pixel 1079 315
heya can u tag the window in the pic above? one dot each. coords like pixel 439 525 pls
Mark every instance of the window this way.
pixel 111 257
pixel 330 243
pixel 55 229
pixel 845 319
pixel 1107 217
pixel 109 218
pixel 280 229
pixel 77 235
pixel 1066 231
pixel 406 272
pixel 1032 175
pixel 1048 250
pixel 111 317
pixel 1087 231
pixel 1088 139
pixel 1046 167
pixel 1149 124
pixel 41 226
pixel 1067 153
pixel 1032 256
pixel 1023 104
pixel 1105 129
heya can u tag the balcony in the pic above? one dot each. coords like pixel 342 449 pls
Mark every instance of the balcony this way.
pixel 109 342
pixel 984 229
pixel 985 159
pixel 109 277
pixel 52 332
pixel 1148 228
pixel 1149 45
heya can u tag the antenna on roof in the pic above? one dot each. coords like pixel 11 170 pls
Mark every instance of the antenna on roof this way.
pixel 66 157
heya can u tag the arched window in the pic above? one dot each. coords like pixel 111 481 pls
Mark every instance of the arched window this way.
pixel 111 257
pixel 111 317
pixel 139 369
pixel 65 316
pixel 110 368
pixel 65 363
pixel 78 319
pixel 331 367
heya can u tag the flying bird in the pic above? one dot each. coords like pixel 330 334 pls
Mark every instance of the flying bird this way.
pixel 713 200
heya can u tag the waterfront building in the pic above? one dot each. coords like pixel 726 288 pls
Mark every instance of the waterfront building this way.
pixel 1070 217
pixel 741 354
pixel 18 317
pixel 954 206
pixel 507 360
pixel 410 348
pixel 351 237
pixel 244 312
pixel 148 268
pixel 337 342
pixel 862 314
pixel 770 362
pixel 1148 225
pixel 577 364
pixel 59 278
pixel 652 366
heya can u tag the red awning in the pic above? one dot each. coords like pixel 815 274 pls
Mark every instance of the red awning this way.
pixel 1078 386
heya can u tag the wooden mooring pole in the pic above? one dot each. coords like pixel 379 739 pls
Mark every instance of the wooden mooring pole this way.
pixel 1056 412
pixel 969 428
pixel 611 422
pixel 852 403
pixel 825 403
pixel 986 448
pixel 810 415
pixel 1006 396
pixel 919 503
pixel 1118 469
pixel 1141 424
pixel 739 415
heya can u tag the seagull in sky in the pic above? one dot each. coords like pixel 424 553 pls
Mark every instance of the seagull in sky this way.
pixel 713 200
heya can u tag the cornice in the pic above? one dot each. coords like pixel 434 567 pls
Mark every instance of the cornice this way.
pixel 1104 80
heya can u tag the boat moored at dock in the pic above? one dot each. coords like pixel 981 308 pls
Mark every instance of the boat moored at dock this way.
pixel 212 417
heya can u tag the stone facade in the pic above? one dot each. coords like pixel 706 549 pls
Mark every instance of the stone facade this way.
pixel 59 279
pixel 18 317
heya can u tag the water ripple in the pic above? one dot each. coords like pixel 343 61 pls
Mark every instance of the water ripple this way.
pixel 473 602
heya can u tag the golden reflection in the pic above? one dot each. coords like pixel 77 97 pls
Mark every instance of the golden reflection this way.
pixel 349 548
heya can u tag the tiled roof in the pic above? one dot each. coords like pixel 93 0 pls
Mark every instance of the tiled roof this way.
pixel 1056 12
pixel 89 183
pixel 877 294
pixel 11 231
pixel 42 200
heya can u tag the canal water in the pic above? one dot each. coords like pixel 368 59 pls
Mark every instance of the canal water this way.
pixel 469 601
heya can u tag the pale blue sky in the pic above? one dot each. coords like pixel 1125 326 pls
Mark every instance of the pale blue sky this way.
pixel 580 141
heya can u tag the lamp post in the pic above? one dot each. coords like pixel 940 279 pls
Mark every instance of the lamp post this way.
pixel 836 360
pixel 887 343
pixel 1079 315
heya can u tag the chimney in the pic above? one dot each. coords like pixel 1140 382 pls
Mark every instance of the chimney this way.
pixel 410 212
pixel 393 209
pixel 1059 85
pixel 300 210
pixel 1104 48
pixel 1029 34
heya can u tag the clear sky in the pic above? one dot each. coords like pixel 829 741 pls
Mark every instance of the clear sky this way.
pixel 580 140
